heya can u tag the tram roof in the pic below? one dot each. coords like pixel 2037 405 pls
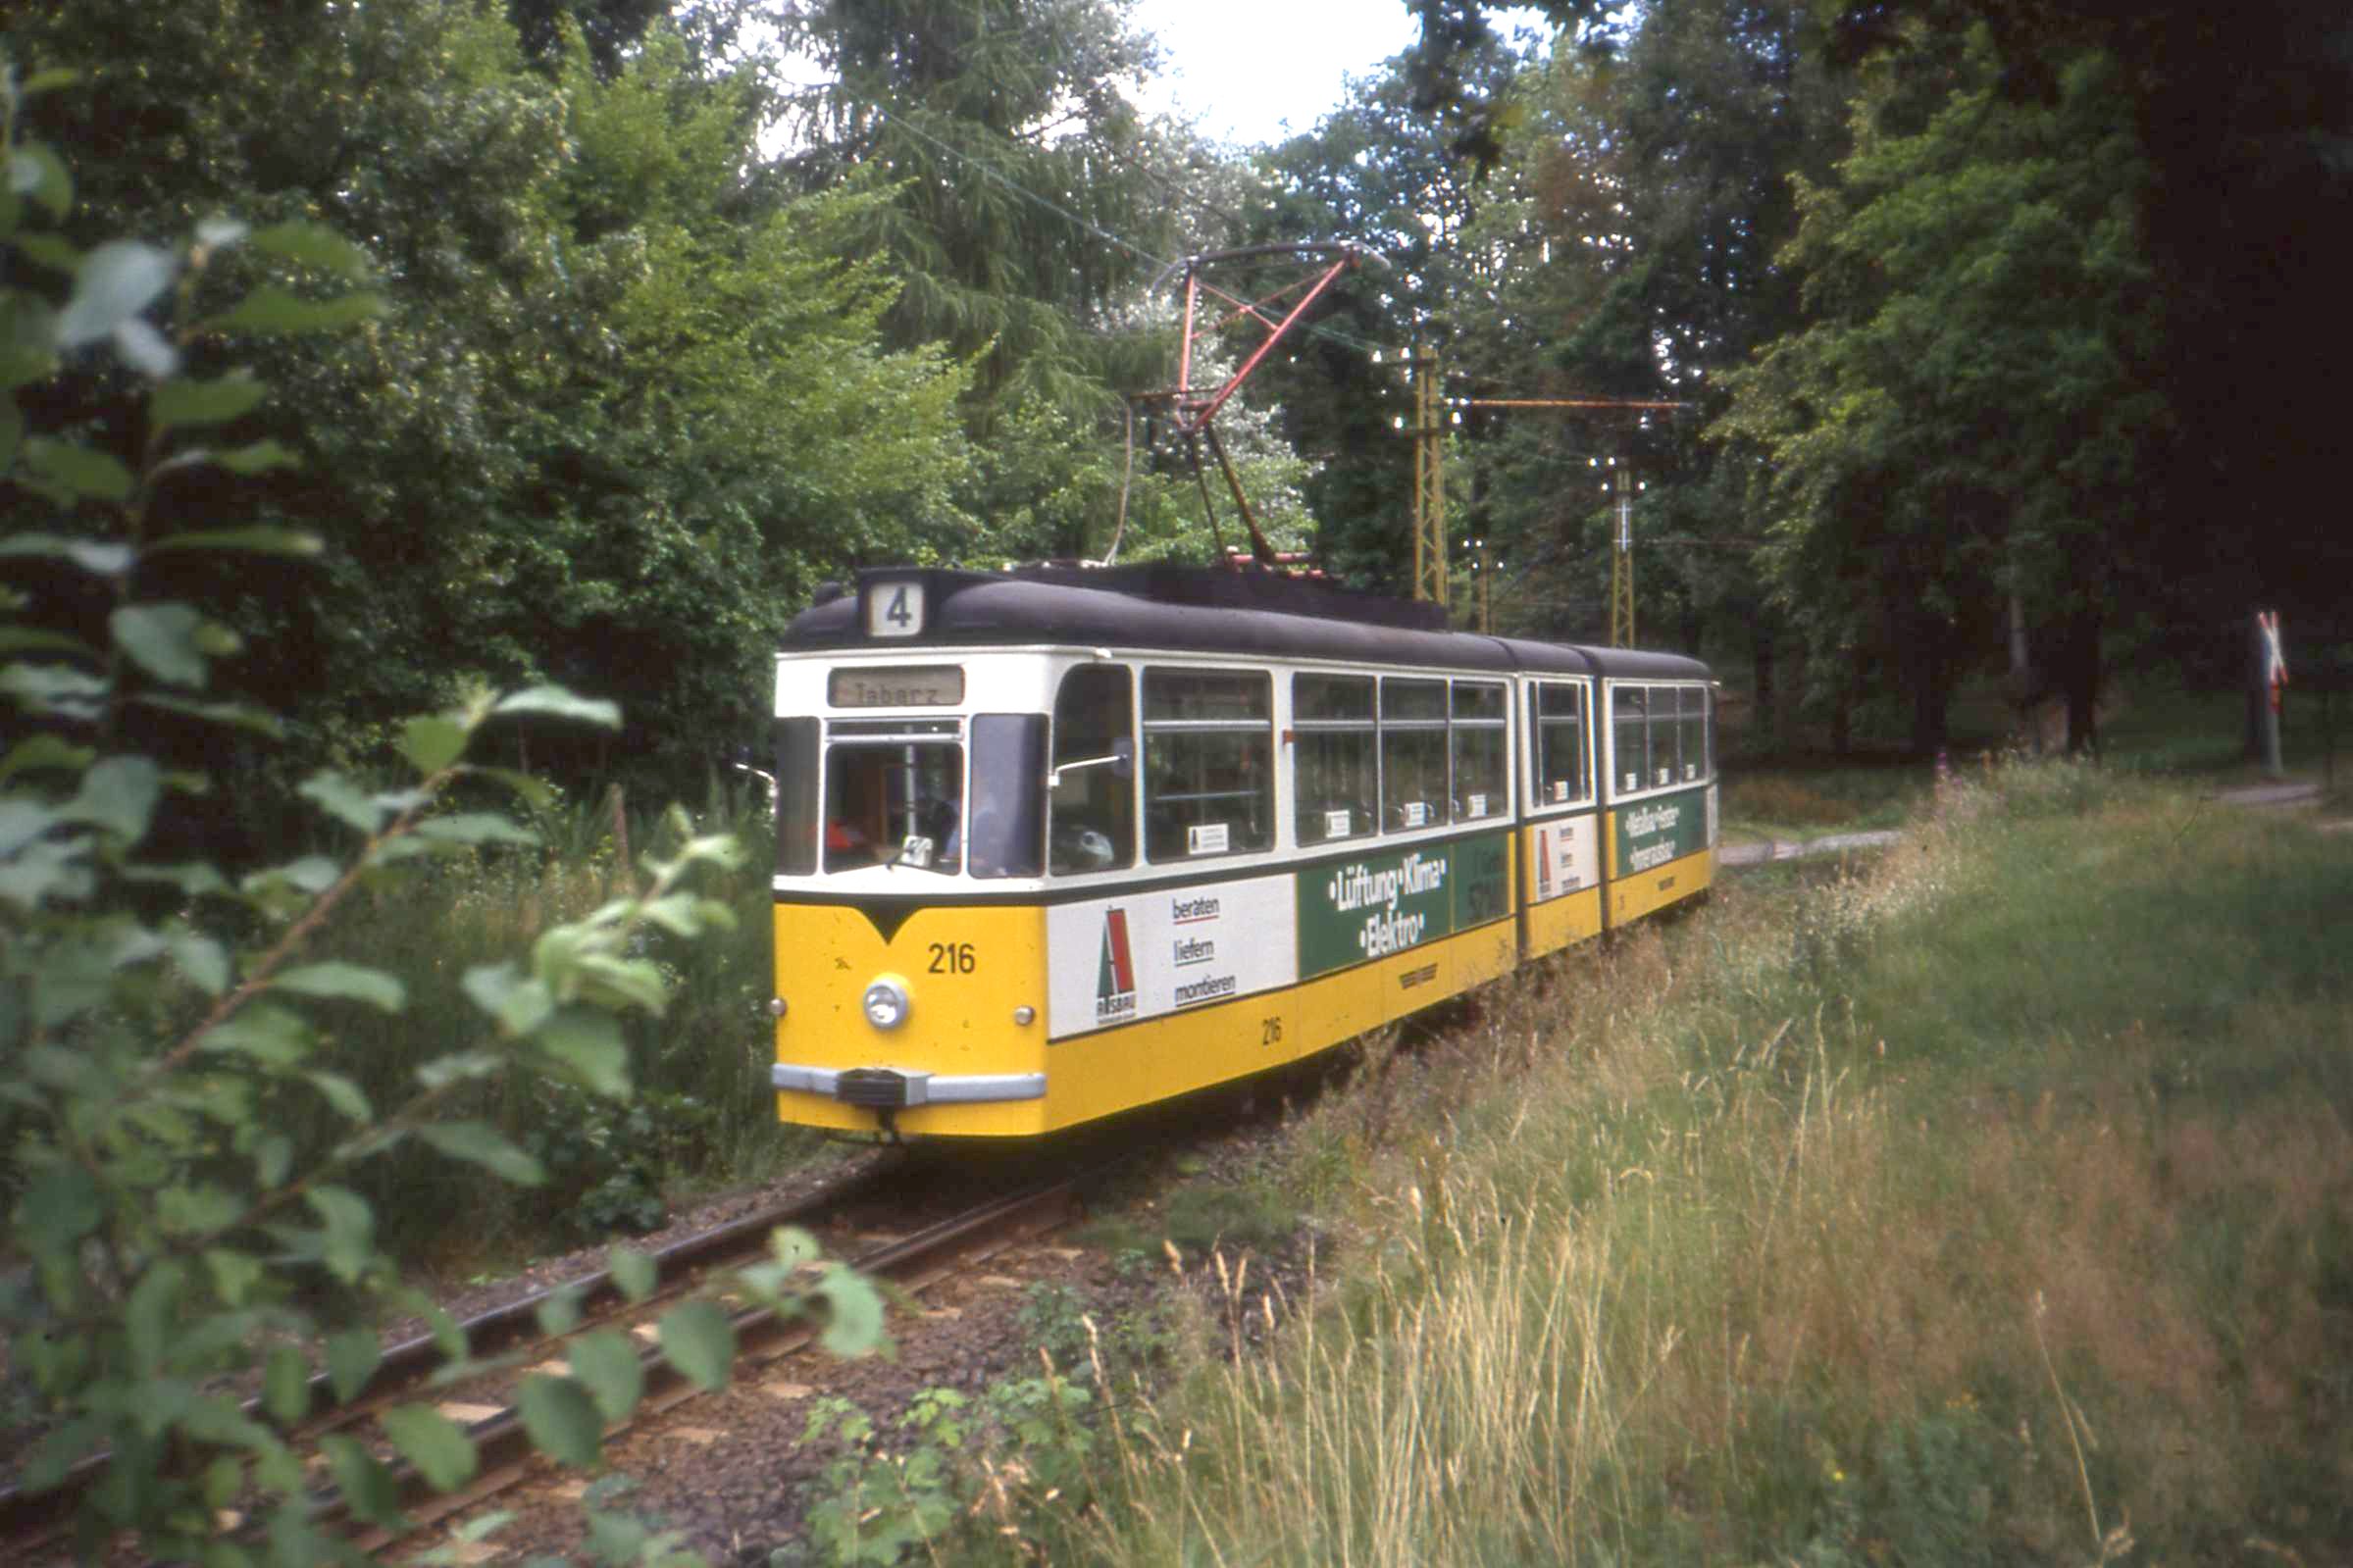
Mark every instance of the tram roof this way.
pixel 1196 610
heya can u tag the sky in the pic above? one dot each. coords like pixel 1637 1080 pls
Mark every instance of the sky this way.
pixel 1245 67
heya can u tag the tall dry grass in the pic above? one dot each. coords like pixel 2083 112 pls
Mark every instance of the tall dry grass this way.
pixel 1991 1203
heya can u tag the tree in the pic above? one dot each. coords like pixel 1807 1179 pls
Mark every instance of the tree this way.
pixel 1966 413
pixel 624 406
pixel 163 1229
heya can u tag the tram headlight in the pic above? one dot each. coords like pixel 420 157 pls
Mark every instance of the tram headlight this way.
pixel 886 1002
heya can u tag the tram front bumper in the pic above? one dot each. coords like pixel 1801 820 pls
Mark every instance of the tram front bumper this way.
pixel 896 1087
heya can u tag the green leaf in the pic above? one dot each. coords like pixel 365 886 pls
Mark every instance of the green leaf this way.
pixel 59 1207
pixel 534 791
pixel 561 1419
pixel 586 1044
pixel 350 981
pixel 620 981
pixel 203 960
pixel 242 715
pixel 480 1144
pixel 344 800
pixel 162 639
pixel 698 1341
pixel 433 1442
pixel 285 1385
pixel 275 308
pixel 562 704
pixel 53 251
pixel 196 1208
pixel 220 232
pixel 633 1271
pixel 32 639
pixel 254 541
pixel 432 743
pixel 119 796
pixel 350 1240
pixel 367 1486
pixel 36 172
pixel 99 557
pixel 258 457
pixel 144 349
pixel 475 828
pixel 183 402
pixel 115 283
pixel 347 1098
pixel 68 472
pixel 352 1357
pixel 558 1311
pixel 149 1312
pixel 853 1321
pixel 519 1005
pixel 271 1035
pixel 313 245
pixel 606 1363
pixel 60 1450
pixel 45 751
pixel 236 1276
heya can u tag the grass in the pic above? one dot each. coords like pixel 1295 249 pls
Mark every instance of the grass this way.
pixel 705 1114
pixel 1992 1204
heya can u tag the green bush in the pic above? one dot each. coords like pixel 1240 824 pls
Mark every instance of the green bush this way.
pixel 159 1017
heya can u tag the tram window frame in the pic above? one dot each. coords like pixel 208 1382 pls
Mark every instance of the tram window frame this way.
pixel 1410 739
pixel 1699 762
pixel 1182 745
pixel 917 830
pixel 1629 719
pixel 1334 757
pixel 799 823
pixel 1555 728
pixel 1102 795
pixel 1666 738
pixel 1478 722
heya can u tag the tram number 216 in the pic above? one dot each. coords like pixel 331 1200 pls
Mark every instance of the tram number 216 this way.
pixel 953 958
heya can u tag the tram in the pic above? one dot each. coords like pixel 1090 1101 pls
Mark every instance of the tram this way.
pixel 1055 842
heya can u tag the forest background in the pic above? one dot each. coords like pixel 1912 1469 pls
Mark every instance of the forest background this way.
pixel 1998 331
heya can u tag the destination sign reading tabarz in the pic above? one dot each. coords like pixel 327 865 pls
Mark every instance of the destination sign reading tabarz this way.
pixel 905 686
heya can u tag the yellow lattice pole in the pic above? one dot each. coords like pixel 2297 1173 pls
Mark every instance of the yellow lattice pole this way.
pixel 1429 480
pixel 1621 563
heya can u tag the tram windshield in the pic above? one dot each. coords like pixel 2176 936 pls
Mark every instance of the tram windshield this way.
pixel 898 803
pixel 939 795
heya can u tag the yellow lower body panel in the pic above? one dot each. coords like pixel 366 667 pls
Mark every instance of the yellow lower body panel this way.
pixel 966 970
pixel 1633 897
pixel 1563 921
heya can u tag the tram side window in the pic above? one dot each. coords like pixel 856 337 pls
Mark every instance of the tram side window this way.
pixel 1008 758
pixel 1478 751
pixel 1208 762
pixel 1561 744
pixel 1414 779
pixel 1697 763
pixel 899 803
pixel 1666 737
pixel 1091 806
pixel 1336 758
pixel 796 817
pixel 1630 711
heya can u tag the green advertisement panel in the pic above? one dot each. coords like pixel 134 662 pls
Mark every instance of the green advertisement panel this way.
pixel 1650 832
pixel 1383 903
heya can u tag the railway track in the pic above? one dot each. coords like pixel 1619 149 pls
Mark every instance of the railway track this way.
pixel 31 1524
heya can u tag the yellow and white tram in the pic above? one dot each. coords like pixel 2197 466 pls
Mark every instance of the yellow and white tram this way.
pixel 1053 844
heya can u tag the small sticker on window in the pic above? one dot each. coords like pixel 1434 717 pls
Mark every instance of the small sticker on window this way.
pixel 1417 813
pixel 1336 824
pixel 1479 805
pixel 1560 788
pixel 1206 839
